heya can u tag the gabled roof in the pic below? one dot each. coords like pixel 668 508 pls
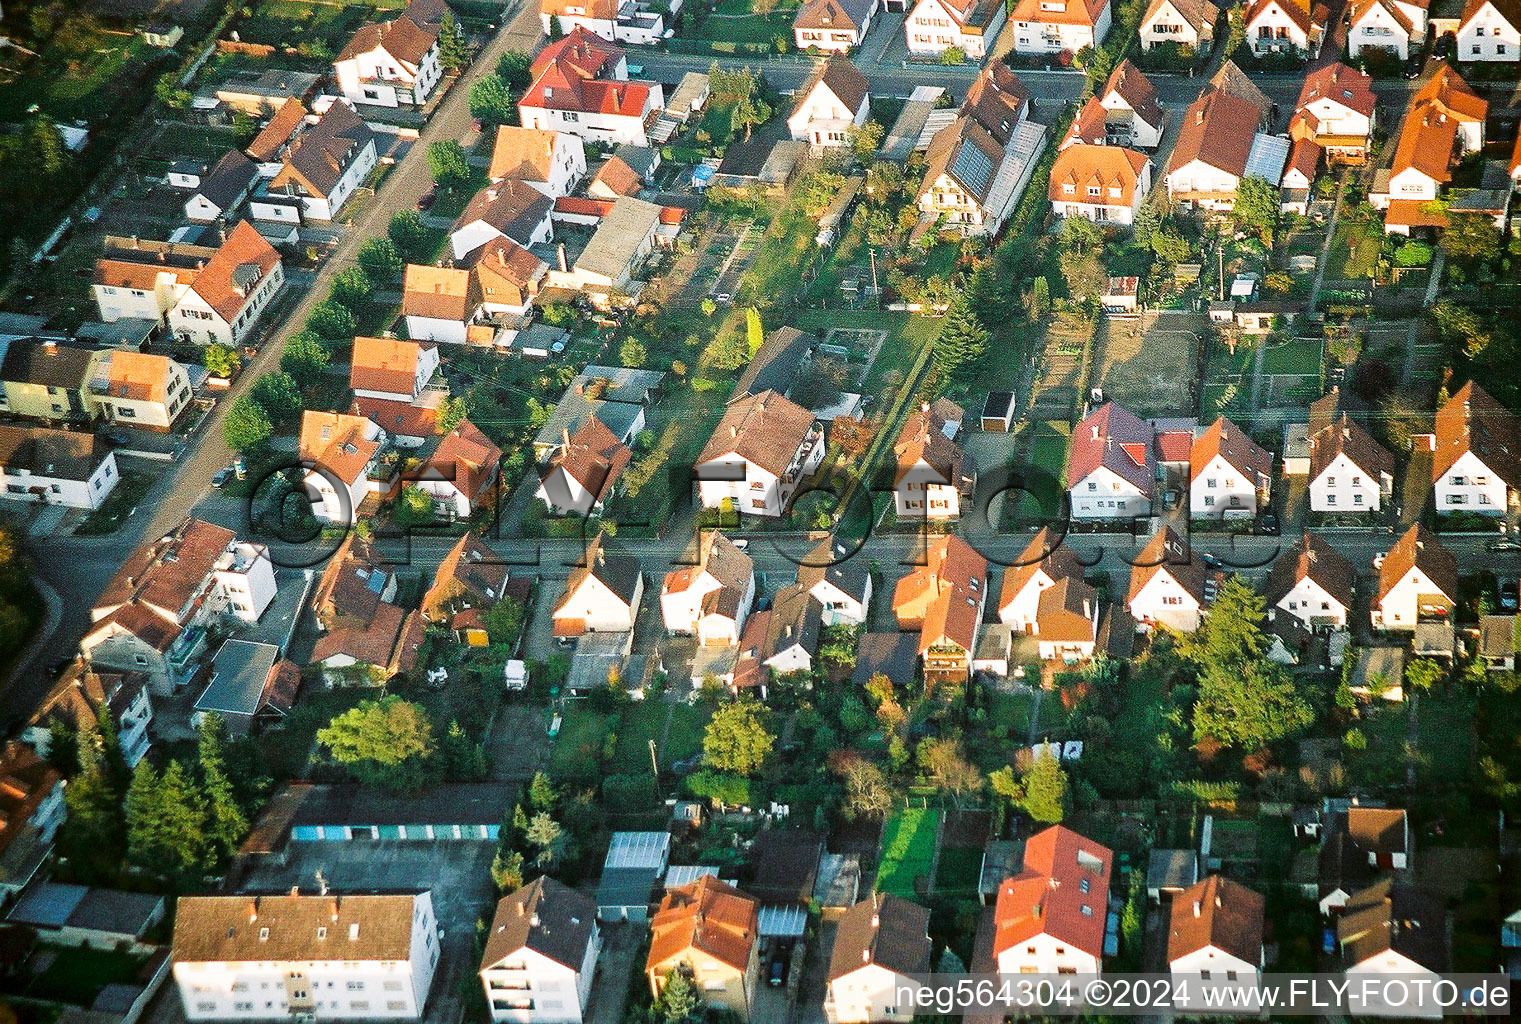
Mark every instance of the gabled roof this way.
pixel 1062 892
pixel 1201 14
pixel 545 916
pixel 1420 549
pixel 843 569
pixel 139 376
pixel 1068 611
pixel 526 154
pixel 443 293
pixel 618 177
pixel 466 458
pixel 350 586
pixel 229 278
pixel 775 365
pixel 1448 92
pixel 1129 84
pixel 575 74
pixel 1073 12
pixel 707 917
pixel 274 135
pixel 319 157
pixel 882 930
pixel 616 570
pixel 48 362
pixel 401 37
pixel 515 208
pixel 1301 16
pixel 997 100
pixel 25 781
pixel 1473 421
pixel 1340 84
pixel 1388 916
pixel 718 557
pixel 1167 552
pixel 169 572
pixel 55 454
pixel 470 567
pixel 1218 130
pixel 1115 438
pixel 965 152
pixel 1360 9
pixel 1310 558
pixel 384 364
pixel 837 74
pixel 1510 10
pixel 397 418
pixel 229 179
pixel 593 457
pixel 1045 553
pixel 833 14
pixel 240 929
pixel 973 15
pixel 1217 912
pixel 1232 81
pixel 383 642
pixel 1228 441
pixel 765 430
pixel 1346 437
pixel 951 586
pixel 1103 167
pixel 923 439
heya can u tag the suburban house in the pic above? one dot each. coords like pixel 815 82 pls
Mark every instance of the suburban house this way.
pixel 1349 471
pixel 82 694
pixel 879 943
pixel 836 25
pixel 1337 111
pixel 391 63
pixel 31 810
pixel 1112 466
pixel 1067 620
pixel 931 476
pixel 580 86
pixel 352 584
pixel 778 640
pixel 56 467
pixel 389 368
pixel 1417 582
pixel 1476 463
pixel 47 379
pixel 139 389
pixel 1393 928
pixel 374 955
pixel 1285 26
pixel 831 104
pixel 1168 586
pixel 370 652
pixel 1445 121
pixel 1217 146
pixel 1186 23
pixel 223 303
pixel 507 276
pixel 1387 26
pixel 1104 184
pixel 1050 917
pixel 1051 26
pixel 471 577
pixel 278 132
pixel 1312 582
pixel 541 955
pixel 583 471
pixel 87 916
pixel 222 189
pixel 710 600
pixel 261 93
pixel 1044 562
pixel 602 594
pixel 971 26
pixel 1215 931
pixel 320 170
pixel 625 172
pixel 762 450
pixel 462 473
pixel 1230 476
pixel 616 395
pixel 1360 845
pixel 978 166
pixel 551 161
pixel 151 617
pixel 1490 30
pixel 840 582
pixel 406 424
pixel 1497 645
pixel 1298 176
pixel 1126 112
pixel 142 279
pixel 344 453
pixel 248 682
pixel 624 240
pixel 510 209
pixel 943 601
pixel 707 928
pixel 440 303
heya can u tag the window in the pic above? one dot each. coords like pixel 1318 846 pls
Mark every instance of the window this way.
pixel 1330 499
pixel 1357 499
pixel 263 934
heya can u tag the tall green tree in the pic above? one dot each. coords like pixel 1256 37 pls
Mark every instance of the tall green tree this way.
pixel 385 742
pixel 514 69
pixel 1257 207
pixel 226 824
pixel 738 738
pixel 332 321
pixel 410 235
pixel 452 52
pixel 1244 700
pixel 542 795
pixel 278 394
pixel 1471 239
pixel 247 425
pixel 165 821
pixel 381 259
pixel 548 837
pixel 91 836
pixel 351 288
pixel 448 163
pixel 304 355
pixel 493 103
pixel 1046 796
pixel 755 331
pixel 962 342
pixel 219 360
pixel 679 1000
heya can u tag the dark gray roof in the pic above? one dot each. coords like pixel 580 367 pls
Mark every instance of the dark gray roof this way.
pixel 53 364
pixel 326 150
pixel 463 803
pixel 239 673
pixel 226 182
pixel 775 365
pixel 640 159
pixel 845 569
pixel 60 454
pixel 626 887
pixel 894 655
pixel 786 864
pixel 545 916
pixel 56 905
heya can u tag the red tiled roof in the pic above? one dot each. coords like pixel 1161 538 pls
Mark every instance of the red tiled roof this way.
pixel 1064 874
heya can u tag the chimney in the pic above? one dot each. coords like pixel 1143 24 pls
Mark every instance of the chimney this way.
pixel 1198 117
pixel 866 953
pixel 522 909
pixel 295 891
pixel 253 910
pixel 50 345
pixel 733 430
pixel 533 922
pixel 876 920
pixel 560 254
pixel 1095 432
pixel 565 438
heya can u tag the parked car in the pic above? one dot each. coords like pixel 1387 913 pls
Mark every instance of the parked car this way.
pixel 222 476
pixel 1510 595
pixel 1503 545
pixel 426 200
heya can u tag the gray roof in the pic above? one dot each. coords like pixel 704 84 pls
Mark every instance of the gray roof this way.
pixel 547 917
pixel 775 365
pixel 903 136
pixel 846 570
pixel 275 82
pixel 326 150
pixel 640 159
pixel 894 655
pixel 226 183
pixel 57 905
pixel 461 803
pixel 239 673
pixel 613 249
pixel 1172 869
pixel 618 407
pixel 626 887
pixel 638 850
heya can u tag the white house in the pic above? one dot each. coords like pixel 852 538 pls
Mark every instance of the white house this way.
pixel 223 304
pixel 56 467
pixel 830 104
pixel 1490 31
pixel 710 600
pixel 320 171
pixel 1230 475
pixel 462 474
pixel 832 25
pixel 1218 145
pixel 328 956
pixel 390 64
pixel 343 451
pixel 552 162
pixel 840 580
pixel 1312 582
pixel 1189 23
pixel 222 189
pixel 1476 465
pixel 509 209
pixel 1215 931
pixel 1044 562
pixel 971 26
pixel 1050 918
pixel 440 303
pixel 879 944
pixel 1112 466
pixel 762 450
pixel 1066 620
pixel 602 595
pixel 77 700
pixel 1051 26
pixel 144 280
pixel 1104 184
pixel 1283 26
pixel 1168 585
pixel 1350 473
pixel 541 955
pixel 389 368
pixel 779 640
pixel 1417 581
pixel 580 86
pixel 931 478
pixel 1133 115
pixel 1389 26
pixel 139 389
pixel 1336 111
pixel 583 470
pixel 242 582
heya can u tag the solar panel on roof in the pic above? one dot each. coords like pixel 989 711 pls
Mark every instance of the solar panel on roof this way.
pixel 376 582
pixel 972 168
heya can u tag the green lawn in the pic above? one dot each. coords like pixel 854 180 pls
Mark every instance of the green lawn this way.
pixel 79 79
pixel 296 22
pixel 640 722
pixel 578 747
pixel 78 975
pixel 118 505
pixel 958 873
pixel 1043 466
pixel 1354 251
pixel 1298 356
pixel 908 849
pixel 688 723
pixel 1443 751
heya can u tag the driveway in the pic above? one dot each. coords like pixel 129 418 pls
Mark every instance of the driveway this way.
pixel 622 948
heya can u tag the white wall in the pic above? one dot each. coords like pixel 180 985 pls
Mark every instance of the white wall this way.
pixel 601 609
pixel 1158 29
pixel 1104 494
pixel 1344 488
pixel 1308 601
pixel 1019 613
pixel 17 483
pixel 1162 600
pixel 1047 955
pixel 202 325
pixel 1469 486
pixel 378 79
pixel 1501 41
pixel 839 607
pixel 1219 488
pixel 1050 37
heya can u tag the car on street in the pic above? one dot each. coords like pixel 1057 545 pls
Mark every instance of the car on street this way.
pixel 222 476
pixel 1503 545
